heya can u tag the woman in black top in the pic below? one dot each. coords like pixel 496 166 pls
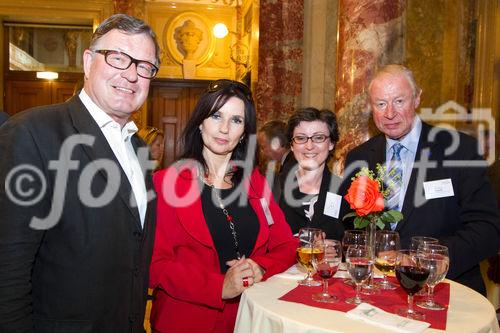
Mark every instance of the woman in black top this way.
pixel 309 197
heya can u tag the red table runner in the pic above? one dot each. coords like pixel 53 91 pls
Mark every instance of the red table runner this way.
pixel 388 300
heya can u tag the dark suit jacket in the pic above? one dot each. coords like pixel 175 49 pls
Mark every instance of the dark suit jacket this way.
pixel 89 272
pixel 3 117
pixel 332 226
pixel 468 222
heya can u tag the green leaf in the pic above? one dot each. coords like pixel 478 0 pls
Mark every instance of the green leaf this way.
pixel 385 217
pixel 361 222
pixel 380 224
pixel 352 214
pixel 396 216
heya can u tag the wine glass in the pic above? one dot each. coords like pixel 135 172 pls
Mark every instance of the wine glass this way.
pixel 306 251
pixel 360 267
pixel 326 266
pixel 386 247
pixel 353 237
pixel 412 277
pixel 416 241
pixel 435 258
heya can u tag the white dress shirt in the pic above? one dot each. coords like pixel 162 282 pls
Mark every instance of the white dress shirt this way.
pixel 119 139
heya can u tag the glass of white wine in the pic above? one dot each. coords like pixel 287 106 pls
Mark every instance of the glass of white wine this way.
pixel 386 247
pixel 306 251
pixel 435 258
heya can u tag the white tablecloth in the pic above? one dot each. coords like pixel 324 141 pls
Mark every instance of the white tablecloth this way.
pixel 260 311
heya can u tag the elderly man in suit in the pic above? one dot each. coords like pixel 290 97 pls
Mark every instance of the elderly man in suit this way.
pixel 442 192
pixel 77 214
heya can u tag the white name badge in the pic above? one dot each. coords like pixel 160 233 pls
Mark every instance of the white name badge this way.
pixel 441 188
pixel 267 211
pixel 332 204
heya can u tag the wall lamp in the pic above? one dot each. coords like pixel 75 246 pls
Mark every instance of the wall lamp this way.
pixel 239 51
pixel 47 75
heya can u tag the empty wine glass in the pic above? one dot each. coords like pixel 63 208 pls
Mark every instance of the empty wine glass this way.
pixel 326 266
pixel 353 237
pixel 386 248
pixel 306 251
pixel 360 267
pixel 417 241
pixel 435 258
pixel 411 277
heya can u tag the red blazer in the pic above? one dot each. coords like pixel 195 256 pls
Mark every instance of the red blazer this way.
pixel 185 271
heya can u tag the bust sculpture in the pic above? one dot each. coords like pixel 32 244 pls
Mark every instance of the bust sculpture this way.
pixel 188 37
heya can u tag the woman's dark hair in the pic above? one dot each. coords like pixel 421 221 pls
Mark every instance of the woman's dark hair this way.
pixel 312 114
pixel 211 101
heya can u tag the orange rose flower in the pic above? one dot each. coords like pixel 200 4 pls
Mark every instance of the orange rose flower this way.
pixel 364 196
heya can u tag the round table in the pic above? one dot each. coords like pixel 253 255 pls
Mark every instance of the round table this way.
pixel 260 311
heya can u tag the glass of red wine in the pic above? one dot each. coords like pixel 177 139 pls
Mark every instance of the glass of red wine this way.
pixel 360 267
pixel 412 276
pixel 326 267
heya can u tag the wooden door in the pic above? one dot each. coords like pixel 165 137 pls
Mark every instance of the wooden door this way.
pixel 171 104
pixel 22 95
pixel 62 91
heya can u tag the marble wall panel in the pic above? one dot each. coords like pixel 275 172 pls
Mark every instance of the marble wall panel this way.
pixel 370 35
pixel 278 88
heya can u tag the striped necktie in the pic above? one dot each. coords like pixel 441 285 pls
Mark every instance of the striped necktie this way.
pixel 394 178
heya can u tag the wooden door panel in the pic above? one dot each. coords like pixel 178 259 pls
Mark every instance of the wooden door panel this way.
pixel 62 91
pixel 22 95
pixel 172 102
pixel 167 108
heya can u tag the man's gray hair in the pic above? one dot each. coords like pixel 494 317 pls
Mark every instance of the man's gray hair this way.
pixel 126 24
pixel 397 69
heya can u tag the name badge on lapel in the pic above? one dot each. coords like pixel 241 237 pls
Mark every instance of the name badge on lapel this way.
pixel 441 188
pixel 332 204
pixel 267 211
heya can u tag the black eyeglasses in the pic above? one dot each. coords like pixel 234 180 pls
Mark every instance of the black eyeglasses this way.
pixel 302 139
pixel 121 60
pixel 225 83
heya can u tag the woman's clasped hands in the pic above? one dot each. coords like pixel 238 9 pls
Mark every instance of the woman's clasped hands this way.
pixel 242 273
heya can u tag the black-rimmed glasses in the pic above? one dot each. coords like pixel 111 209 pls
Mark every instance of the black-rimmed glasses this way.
pixel 317 138
pixel 225 83
pixel 121 60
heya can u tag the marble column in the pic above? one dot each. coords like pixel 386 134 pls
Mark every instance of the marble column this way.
pixel 278 89
pixel 130 7
pixel 370 35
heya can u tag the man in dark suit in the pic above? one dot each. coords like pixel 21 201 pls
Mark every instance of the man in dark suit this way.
pixel 275 156
pixel 3 117
pixel 445 192
pixel 77 214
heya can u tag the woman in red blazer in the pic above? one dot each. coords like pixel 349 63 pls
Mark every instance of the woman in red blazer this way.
pixel 219 230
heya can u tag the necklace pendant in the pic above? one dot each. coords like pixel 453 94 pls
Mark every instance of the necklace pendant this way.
pixel 229 218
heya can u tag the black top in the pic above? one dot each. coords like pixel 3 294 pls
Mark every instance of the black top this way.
pixel 300 216
pixel 245 222
pixel 296 217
